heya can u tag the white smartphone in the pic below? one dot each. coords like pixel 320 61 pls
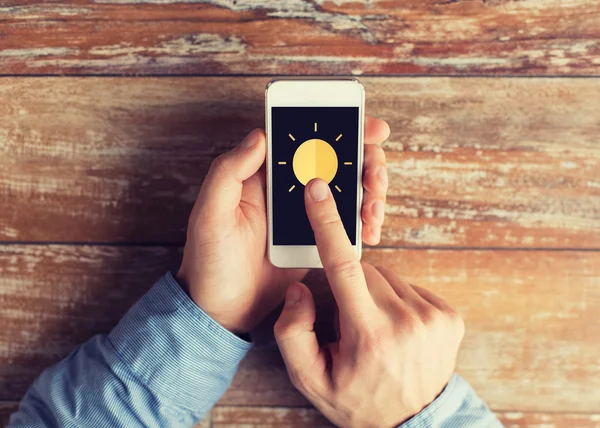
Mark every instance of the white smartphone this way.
pixel 314 129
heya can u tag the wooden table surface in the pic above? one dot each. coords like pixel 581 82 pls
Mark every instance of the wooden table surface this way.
pixel 111 111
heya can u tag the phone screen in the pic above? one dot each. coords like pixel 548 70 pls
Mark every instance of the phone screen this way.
pixel 309 142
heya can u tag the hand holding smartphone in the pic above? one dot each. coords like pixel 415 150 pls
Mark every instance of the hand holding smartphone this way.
pixel 315 129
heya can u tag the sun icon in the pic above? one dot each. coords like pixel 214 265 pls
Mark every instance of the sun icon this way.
pixel 314 158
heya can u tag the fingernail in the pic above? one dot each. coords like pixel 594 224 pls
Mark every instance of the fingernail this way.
pixel 293 295
pixel 382 176
pixel 318 190
pixel 250 140
pixel 378 210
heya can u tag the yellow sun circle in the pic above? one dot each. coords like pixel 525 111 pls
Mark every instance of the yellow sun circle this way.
pixel 315 159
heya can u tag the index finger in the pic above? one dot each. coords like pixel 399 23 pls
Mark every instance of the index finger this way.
pixel 339 258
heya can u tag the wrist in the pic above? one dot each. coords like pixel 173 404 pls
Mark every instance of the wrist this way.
pixel 221 314
pixel 164 334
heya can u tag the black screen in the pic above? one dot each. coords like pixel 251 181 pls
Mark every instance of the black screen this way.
pixel 337 129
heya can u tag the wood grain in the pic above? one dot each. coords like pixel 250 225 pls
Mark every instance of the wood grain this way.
pixel 7 408
pixel 532 325
pixel 532 330
pixel 472 162
pixel 549 420
pixel 54 297
pixel 250 417
pixel 504 165
pixel 499 37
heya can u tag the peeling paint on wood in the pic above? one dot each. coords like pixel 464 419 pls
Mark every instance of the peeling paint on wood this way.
pixel 251 417
pixel 38 307
pixel 8 407
pixel 37 52
pixel 535 352
pixel 255 417
pixel 480 163
pixel 53 297
pixel 535 37
pixel 549 420
pixel 472 162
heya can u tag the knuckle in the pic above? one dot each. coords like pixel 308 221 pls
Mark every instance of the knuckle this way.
pixel 283 331
pixel 375 152
pixel 447 319
pixel 296 379
pixel 204 221
pixel 457 322
pixel 220 164
pixel 300 379
pixel 415 326
pixel 379 154
pixel 377 338
pixel 432 315
pixel 279 329
pixel 347 268
pixel 329 218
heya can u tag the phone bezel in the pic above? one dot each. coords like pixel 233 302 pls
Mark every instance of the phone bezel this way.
pixel 311 92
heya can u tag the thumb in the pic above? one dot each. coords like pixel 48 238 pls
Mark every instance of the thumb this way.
pixel 221 191
pixel 305 361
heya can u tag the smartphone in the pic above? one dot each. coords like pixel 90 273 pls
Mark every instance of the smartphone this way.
pixel 314 129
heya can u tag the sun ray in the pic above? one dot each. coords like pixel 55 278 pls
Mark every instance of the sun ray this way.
pixel 281 163
pixel 338 189
pixel 315 126
pixel 292 137
pixel 292 188
pixel 338 137
pixel 347 163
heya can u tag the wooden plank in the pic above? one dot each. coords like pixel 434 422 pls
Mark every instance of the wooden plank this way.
pixel 206 422
pixel 250 417
pixel 549 420
pixel 532 329
pixel 536 37
pixel 472 162
pixel 53 297
pixel 7 408
pixel 532 325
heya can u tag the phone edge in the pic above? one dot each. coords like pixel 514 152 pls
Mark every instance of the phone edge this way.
pixel 268 168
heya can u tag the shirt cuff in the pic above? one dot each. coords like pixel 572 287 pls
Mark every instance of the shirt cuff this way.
pixel 446 405
pixel 175 348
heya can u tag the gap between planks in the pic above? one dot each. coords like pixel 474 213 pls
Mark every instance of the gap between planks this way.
pixel 557 299
pixel 512 417
pixel 380 247
pixel 369 76
pixel 528 185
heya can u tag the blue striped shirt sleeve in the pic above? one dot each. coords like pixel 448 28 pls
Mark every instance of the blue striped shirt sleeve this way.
pixel 458 406
pixel 165 364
